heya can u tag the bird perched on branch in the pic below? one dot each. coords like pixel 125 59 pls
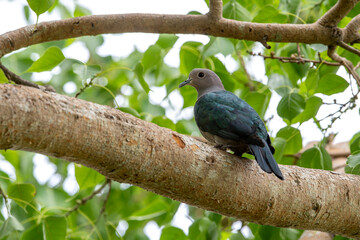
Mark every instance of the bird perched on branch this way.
pixel 229 122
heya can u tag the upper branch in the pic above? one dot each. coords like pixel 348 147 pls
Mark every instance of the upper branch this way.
pixel 332 17
pixel 215 12
pixel 161 23
pixel 351 31
pixel 127 149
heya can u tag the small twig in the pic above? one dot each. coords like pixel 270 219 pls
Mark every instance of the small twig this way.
pixel 85 86
pixel 294 59
pixel 108 182
pixel 6 201
pixel 84 200
pixel 263 41
pixel 18 80
pixel 349 48
pixel 242 63
pixel 344 107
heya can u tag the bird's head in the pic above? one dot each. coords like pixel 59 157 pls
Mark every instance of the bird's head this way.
pixel 204 81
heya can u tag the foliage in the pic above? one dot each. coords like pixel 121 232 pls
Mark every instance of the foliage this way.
pixel 48 210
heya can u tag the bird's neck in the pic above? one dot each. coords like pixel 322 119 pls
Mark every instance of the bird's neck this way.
pixel 202 92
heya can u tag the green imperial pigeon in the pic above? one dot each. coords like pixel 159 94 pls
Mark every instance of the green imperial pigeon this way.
pixel 229 122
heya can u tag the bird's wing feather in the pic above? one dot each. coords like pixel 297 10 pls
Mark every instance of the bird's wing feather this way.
pixel 222 114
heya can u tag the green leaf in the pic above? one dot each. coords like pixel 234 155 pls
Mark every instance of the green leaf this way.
pixel 189 57
pixel 22 193
pixel 312 80
pixel 130 111
pixel 331 83
pixel 87 177
pixel 293 139
pixel 291 105
pixel 166 41
pixel 52 57
pixel 280 84
pixel 10 225
pixel 279 145
pixel 35 232
pixel 139 71
pixel 3 78
pixel 204 228
pixel 269 14
pixel 54 228
pixel 218 45
pixel 353 164
pixel 150 211
pixel 355 143
pixel 40 6
pixel 318 47
pixel 316 157
pixel 311 108
pixel 163 121
pixel 259 101
pixel 171 232
pixel 151 57
pixel 234 10
pixel 81 11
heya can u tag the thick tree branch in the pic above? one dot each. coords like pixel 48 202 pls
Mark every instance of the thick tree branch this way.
pixel 332 17
pixel 161 23
pixel 347 64
pixel 351 31
pixel 127 149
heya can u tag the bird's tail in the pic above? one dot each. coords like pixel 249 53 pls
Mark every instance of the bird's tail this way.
pixel 266 160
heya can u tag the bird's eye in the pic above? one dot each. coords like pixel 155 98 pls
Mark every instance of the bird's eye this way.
pixel 201 74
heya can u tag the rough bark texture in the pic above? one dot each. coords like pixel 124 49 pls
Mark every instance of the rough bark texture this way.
pixel 127 149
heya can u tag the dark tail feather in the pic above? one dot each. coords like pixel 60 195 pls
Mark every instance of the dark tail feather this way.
pixel 266 160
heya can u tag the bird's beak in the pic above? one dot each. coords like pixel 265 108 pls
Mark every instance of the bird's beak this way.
pixel 185 82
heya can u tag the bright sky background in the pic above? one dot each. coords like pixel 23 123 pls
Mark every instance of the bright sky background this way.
pixel 120 45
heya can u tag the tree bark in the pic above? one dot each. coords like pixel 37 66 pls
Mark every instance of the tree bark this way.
pixel 127 149
pixel 210 24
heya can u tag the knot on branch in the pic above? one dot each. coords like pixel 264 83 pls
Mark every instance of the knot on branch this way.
pixel 336 34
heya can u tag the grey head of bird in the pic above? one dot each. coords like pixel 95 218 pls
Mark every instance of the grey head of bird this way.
pixel 204 81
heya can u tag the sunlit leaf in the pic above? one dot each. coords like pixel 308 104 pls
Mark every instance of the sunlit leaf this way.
pixel 353 163
pixel 40 6
pixel 203 228
pixel 87 177
pixel 218 45
pixel 331 83
pixel 3 78
pixel 189 57
pixel 269 14
pixel 35 232
pixel 171 232
pixel 52 57
pixel 291 105
pixel 54 228
pixel 234 10
pixel 280 84
pixel 311 108
pixel 259 101
pixel 150 211
pixel 316 157
pixel 293 139
pixel 10 225
pixel 139 71
pixel 22 193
